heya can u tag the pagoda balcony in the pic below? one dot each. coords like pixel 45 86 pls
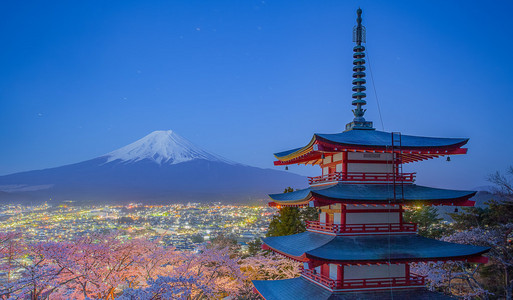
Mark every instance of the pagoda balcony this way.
pixel 325 281
pixel 361 228
pixel 362 177
pixel 376 283
pixel 365 283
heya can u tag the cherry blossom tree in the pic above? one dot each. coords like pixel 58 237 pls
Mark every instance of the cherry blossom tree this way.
pixel 11 250
pixel 452 277
pixel 167 287
pixel 110 266
pixel 266 265
pixel 499 239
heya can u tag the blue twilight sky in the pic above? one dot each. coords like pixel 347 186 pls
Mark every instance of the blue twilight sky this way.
pixel 244 79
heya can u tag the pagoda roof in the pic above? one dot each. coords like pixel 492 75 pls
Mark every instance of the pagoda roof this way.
pixel 414 148
pixel 373 193
pixel 302 289
pixel 369 248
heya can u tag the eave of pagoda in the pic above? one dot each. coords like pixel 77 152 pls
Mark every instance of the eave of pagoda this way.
pixel 313 152
pixel 323 201
pixel 315 261
pixel 372 195
pixel 318 249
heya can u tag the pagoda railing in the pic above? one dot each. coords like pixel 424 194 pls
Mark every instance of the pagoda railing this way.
pixel 363 283
pixel 412 280
pixel 363 177
pixel 361 228
pixel 321 279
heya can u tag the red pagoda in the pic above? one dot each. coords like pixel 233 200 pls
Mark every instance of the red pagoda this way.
pixel 360 248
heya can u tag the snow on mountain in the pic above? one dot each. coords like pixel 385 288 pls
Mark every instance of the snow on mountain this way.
pixel 162 167
pixel 162 147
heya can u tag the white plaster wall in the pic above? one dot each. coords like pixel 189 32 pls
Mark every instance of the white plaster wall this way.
pixel 327 160
pixel 371 207
pixel 338 168
pixel 333 271
pixel 337 157
pixel 325 171
pixel 370 168
pixel 322 217
pixel 372 218
pixel 337 218
pixel 374 271
pixel 369 156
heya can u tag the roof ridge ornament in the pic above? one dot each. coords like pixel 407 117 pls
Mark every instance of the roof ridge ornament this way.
pixel 359 77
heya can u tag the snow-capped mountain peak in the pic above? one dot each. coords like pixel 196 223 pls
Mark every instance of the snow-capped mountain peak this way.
pixel 162 147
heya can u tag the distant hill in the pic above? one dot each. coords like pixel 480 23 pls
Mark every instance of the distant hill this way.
pixel 162 167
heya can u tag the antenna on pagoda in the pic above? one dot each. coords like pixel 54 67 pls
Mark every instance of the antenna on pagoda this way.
pixel 359 77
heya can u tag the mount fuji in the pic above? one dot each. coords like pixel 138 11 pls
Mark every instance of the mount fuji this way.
pixel 162 167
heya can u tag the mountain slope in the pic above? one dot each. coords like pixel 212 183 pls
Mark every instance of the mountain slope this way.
pixel 162 167
pixel 162 147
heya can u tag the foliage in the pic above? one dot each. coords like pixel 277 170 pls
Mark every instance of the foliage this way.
pixel 291 220
pixel 498 273
pixel 494 214
pixel 197 238
pixel 254 247
pixel 426 217
pixel 503 184
pixel 489 226
pixel 286 222
pixel 452 277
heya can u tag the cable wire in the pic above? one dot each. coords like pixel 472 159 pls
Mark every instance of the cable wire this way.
pixel 375 93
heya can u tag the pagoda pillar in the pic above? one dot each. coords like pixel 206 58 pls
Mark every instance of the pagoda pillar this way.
pixel 340 275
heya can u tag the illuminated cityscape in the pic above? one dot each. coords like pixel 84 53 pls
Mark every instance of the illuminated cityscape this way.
pixel 182 226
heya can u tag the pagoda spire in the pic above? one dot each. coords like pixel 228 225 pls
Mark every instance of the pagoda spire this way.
pixel 359 77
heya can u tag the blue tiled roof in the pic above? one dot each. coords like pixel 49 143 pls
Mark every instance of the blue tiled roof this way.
pixel 286 152
pixel 381 138
pixel 302 289
pixel 369 247
pixel 374 138
pixel 370 192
